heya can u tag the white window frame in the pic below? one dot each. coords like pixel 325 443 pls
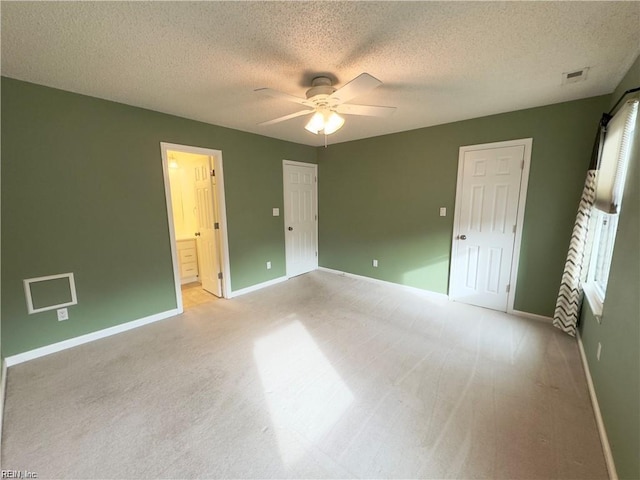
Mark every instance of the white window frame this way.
pixel 604 237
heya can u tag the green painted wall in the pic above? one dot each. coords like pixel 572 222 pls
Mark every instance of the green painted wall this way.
pixel 380 198
pixel 616 376
pixel 82 192
pixel 630 81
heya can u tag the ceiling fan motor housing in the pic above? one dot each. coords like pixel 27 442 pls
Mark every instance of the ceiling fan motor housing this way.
pixel 320 89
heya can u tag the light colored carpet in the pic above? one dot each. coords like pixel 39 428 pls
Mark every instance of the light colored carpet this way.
pixel 322 376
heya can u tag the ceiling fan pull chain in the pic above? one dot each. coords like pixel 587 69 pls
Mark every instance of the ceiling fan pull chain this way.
pixel 325 140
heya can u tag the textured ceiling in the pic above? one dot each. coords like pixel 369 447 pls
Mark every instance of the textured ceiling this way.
pixel 439 61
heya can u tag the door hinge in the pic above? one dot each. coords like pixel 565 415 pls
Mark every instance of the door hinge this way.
pixel 316 216
pixel 220 275
pixel 514 228
pixel 216 226
pixel 508 288
pixel 213 173
pixel 522 165
pixel 316 254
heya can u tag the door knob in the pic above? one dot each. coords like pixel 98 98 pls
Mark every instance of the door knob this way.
pixel 463 237
pixel 291 229
pixel 197 234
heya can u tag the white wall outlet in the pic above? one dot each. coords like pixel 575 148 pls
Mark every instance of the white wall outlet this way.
pixel 599 350
pixel 276 212
pixel 63 314
pixel 443 211
pixel 375 262
pixel 268 265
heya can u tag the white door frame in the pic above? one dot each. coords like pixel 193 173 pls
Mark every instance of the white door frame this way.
pixel 315 193
pixel 524 181
pixel 222 211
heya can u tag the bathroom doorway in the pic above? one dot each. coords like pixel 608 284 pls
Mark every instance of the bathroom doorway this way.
pixel 194 186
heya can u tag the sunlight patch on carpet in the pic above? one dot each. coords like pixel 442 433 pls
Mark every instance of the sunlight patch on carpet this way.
pixel 305 395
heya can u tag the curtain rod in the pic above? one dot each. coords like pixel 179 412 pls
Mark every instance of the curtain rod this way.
pixel 631 90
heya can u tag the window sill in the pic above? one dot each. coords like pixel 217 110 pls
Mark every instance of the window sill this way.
pixel 594 300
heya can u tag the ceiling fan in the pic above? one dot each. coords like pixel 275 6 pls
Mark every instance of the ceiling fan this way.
pixel 327 103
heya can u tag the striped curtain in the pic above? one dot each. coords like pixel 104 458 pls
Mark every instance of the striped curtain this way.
pixel 569 302
pixel 569 299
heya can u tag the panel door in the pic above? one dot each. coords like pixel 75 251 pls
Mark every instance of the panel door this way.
pixel 300 224
pixel 486 221
pixel 208 254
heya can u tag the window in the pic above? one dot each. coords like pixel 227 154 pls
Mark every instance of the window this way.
pixel 605 226
pixel 609 189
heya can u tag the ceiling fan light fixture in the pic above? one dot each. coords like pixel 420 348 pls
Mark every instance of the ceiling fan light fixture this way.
pixel 316 123
pixel 333 123
pixel 324 121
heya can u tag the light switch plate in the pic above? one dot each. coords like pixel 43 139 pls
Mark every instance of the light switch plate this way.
pixel 276 212
pixel 63 314
pixel 443 211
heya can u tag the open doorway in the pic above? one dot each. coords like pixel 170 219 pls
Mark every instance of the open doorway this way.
pixel 194 190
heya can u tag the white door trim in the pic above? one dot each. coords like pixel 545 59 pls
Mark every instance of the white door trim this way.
pixel 524 181
pixel 222 211
pixel 315 193
pixel 300 164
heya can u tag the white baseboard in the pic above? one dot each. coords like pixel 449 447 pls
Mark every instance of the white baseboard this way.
pixel 259 286
pixel 441 297
pixel 89 337
pixel 604 439
pixel 532 316
pixel 107 332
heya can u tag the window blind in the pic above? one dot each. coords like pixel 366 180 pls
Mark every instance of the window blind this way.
pixel 615 158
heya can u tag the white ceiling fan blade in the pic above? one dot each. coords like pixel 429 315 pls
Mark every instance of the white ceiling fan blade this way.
pixel 360 85
pixel 283 96
pixel 287 117
pixel 368 110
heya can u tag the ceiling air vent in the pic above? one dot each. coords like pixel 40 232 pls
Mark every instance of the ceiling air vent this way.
pixel 575 76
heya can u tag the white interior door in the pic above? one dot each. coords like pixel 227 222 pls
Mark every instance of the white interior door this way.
pixel 207 235
pixel 487 200
pixel 301 221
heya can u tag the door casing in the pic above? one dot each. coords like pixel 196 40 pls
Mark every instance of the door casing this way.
pixel 222 211
pixel 524 180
